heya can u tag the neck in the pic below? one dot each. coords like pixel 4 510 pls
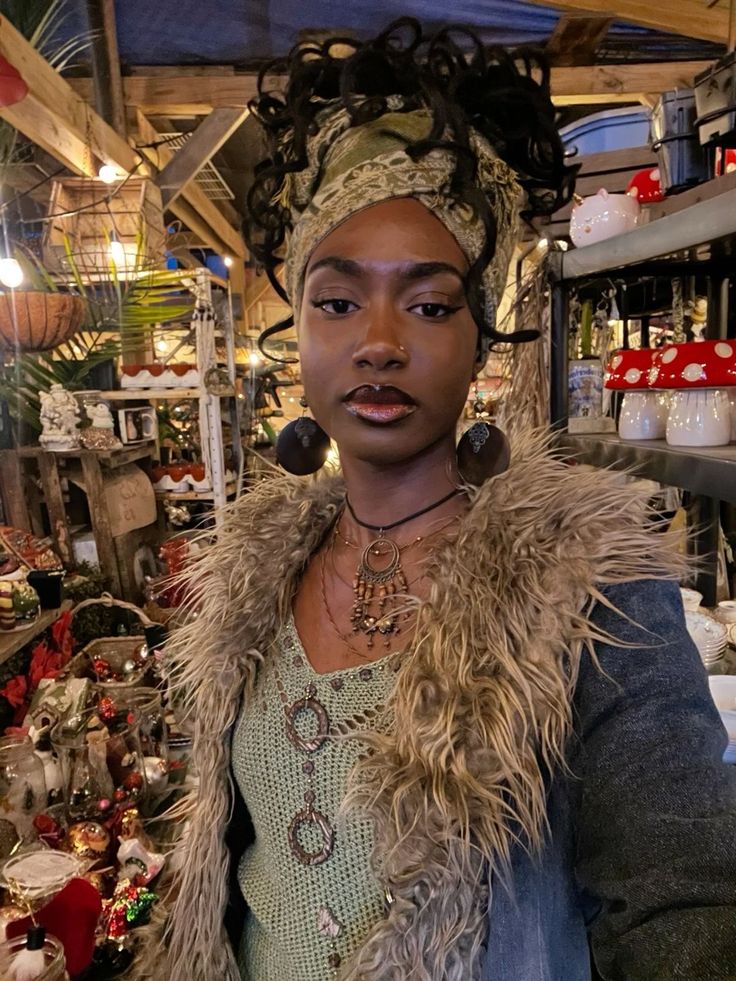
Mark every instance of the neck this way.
pixel 383 494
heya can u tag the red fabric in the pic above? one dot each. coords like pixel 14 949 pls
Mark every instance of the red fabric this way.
pixel 71 917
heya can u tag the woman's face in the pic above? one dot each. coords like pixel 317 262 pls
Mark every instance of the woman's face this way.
pixel 386 339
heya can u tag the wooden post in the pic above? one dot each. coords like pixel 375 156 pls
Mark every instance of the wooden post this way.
pixel 14 502
pixel 48 468
pixel 108 81
pixel 100 519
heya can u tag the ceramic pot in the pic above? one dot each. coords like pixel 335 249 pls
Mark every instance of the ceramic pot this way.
pixel 602 216
pixel 643 415
pixel 700 417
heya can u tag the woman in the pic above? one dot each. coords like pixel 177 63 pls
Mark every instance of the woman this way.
pixel 464 716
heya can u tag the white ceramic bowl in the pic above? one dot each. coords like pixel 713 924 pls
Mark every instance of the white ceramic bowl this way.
pixel 725 612
pixel 643 415
pixel 699 417
pixel 708 634
pixel 691 599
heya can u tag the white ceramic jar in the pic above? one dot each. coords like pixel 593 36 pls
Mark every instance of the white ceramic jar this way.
pixel 699 417
pixel 644 415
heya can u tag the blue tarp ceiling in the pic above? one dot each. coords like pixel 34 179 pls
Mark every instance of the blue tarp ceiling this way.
pixel 244 32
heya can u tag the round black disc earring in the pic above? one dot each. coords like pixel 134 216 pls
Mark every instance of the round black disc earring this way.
pixel 483 451
pixel 302 446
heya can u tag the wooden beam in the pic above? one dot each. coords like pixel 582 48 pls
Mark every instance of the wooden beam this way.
pixel 53 116
pixel 193 207
pixel 620 83
pixel 193 95
pixel 575 39
pixel 109 98
pixel 690 18
pixel 182 94
pixel 214 130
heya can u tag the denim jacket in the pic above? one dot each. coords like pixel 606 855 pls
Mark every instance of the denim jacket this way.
pixel 640 864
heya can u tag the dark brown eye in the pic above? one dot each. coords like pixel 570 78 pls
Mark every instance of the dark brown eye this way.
pixel 335 306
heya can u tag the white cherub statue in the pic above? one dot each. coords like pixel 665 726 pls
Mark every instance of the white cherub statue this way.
pixel 100 435
pixel 59 419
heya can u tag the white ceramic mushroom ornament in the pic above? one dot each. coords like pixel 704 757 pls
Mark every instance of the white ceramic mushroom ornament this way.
pixel 702 376
pixel 643 411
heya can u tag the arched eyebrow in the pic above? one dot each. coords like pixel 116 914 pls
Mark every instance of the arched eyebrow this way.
pixel 411 271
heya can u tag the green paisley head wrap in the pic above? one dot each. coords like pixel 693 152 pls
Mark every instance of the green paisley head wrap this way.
pixel 353 167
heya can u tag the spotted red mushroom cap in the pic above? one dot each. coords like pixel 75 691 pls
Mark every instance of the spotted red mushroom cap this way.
pixel 629 370
pixel 697 364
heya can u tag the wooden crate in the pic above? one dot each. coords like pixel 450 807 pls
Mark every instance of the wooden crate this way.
pixel 133 215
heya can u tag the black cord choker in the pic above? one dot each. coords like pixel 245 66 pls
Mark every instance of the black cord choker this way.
pixel 417 514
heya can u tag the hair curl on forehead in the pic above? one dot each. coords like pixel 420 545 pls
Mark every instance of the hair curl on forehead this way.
pixel 502 95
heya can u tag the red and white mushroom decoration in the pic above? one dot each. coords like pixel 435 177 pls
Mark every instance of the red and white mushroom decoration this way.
pixel 643 411
pixel 646 186
pixel 702 375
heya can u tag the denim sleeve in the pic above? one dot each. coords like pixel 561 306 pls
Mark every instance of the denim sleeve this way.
pixel 656 827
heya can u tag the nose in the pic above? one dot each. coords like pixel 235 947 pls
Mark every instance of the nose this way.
pixel 380 347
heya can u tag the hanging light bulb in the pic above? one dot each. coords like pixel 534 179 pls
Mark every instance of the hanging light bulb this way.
pixel 107 174
pixel 117 251
pixel 228 260
pixel 162 346
pixel 255 359
pixel 11 273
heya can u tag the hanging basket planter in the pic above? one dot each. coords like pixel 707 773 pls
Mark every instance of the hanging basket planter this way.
pixel 35 321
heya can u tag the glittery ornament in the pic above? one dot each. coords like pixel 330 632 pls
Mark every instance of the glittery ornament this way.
pixel 133 781
pixel 128 908
pixel 87 839
pixel 107 709
pixel 49 831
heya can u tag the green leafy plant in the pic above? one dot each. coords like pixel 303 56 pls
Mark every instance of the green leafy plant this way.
pixel 124 312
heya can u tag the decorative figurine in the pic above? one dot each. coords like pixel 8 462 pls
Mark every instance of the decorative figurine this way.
pixel 101 434
pixel 60 419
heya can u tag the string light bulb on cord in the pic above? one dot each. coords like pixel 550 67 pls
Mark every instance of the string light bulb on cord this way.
pixel 117 251
pixel 107 174
pixel 228 260
pixel 11 273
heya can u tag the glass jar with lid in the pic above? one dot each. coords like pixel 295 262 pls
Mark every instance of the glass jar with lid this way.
pixel 22 791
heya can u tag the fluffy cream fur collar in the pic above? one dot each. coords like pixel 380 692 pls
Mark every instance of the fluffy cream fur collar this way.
pixel 481 711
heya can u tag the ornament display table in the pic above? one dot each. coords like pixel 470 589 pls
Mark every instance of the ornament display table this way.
pixel 51 469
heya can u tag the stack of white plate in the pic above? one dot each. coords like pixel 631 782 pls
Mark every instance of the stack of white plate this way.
pixel 723 692
pixel 710 636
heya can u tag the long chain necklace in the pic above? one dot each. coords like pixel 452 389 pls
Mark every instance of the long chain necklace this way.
pixel 379 585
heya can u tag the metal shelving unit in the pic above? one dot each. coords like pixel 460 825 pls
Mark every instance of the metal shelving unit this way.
pixel 698 239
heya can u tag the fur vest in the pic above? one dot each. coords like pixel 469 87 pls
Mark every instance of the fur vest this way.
pixel 478 720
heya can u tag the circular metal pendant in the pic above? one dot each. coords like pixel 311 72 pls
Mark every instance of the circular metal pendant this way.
pixel 380 576
pixel 305 817
pixel 308 704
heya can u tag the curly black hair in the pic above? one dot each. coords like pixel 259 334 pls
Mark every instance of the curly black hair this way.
pixel 463 84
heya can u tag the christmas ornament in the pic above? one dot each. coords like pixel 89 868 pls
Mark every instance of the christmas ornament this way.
pixel 88 840
pixel 71 916
pixel 129 907
pixel 138 863
pixel 30 964
pixel 49 831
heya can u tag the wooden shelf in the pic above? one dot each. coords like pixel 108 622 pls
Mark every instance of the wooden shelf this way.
pixel 111 458
pixel 11 642
pixel 194 495
pixel 152 394
pixel 701 470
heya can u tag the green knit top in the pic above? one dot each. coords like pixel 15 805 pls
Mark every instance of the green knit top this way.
pixel 312 898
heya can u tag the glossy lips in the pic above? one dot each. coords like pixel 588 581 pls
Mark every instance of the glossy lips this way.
pixel 379 403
